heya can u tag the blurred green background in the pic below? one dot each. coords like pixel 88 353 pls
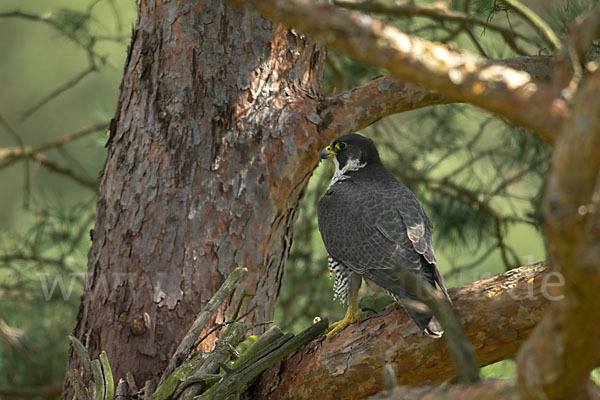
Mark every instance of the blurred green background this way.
pixel 478 178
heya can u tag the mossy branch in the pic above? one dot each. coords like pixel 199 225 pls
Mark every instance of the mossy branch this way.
pixel 237 381
pixel 273 334
pixel 194 382
pixel 96 381
pixel 202 319
pixel 109 383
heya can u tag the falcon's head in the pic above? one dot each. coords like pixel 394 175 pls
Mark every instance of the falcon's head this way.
pixel 351 150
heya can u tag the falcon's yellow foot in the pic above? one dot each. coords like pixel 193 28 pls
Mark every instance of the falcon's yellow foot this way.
pixel 350 318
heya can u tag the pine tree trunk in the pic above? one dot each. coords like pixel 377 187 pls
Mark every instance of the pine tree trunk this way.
pixel 208 157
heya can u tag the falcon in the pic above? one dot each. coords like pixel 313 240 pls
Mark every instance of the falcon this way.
pixel 371 224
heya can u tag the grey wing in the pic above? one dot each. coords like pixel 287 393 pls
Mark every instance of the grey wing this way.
pixel 418 230
pixel 371 231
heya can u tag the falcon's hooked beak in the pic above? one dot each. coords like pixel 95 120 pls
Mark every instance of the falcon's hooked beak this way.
pixel 326 153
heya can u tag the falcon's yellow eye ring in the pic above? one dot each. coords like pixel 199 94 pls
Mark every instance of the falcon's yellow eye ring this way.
pixel 340 145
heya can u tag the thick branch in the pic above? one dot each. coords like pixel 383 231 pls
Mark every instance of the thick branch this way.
pixel 459 75
pixel 357 108
pixel 555 362
pixel 498 313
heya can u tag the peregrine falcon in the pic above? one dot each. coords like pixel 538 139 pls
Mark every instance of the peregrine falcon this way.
pixel 370 223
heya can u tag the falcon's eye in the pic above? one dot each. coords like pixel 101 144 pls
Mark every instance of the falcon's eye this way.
pixel 340 145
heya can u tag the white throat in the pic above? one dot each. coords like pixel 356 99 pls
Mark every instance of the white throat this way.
pixel 352 164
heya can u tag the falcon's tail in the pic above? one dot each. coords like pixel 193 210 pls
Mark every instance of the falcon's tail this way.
pixel 426 322
pixel 434 329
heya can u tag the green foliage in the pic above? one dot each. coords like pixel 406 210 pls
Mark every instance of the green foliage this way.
pixel 42 274
pixel 500 369
pixel 561 16
pixel 596 376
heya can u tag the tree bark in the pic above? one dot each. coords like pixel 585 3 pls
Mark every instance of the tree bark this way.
pixel 498 314
pixel 208 157
pixel 555 363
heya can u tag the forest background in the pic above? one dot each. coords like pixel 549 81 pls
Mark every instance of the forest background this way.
pixel 478 177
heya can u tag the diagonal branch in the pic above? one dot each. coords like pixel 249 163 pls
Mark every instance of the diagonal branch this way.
pixel 70 137
pixel 10 155
pixel 67 172
pixel 21 148
pixel 541 27
pixel 357 108
pixel 47 19
pixel 498 313
pixel 458 75
pixel 58 91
